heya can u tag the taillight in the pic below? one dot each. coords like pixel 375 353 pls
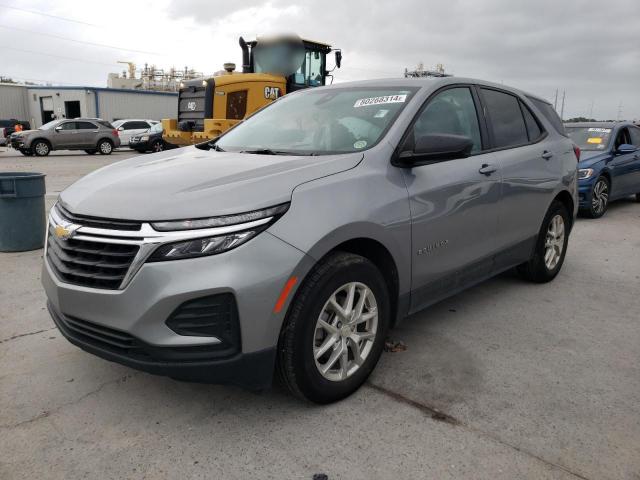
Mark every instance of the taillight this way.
pixel 115 132
pixel 576 150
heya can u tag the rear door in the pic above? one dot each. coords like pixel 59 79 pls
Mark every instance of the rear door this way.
pixel 531 166
pixel 87 134
pixel 454 207
pixel 634 132
pixel 623 167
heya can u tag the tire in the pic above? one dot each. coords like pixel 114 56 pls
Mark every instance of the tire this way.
pixel 599 198
pixel 157 146
pixel 302 334
pixel 539 269
pixel 90 152
pixel 41 148
pixel 26 153
pixel 105 146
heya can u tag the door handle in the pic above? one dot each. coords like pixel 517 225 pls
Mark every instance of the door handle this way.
pixel 547 154
pixel 487 169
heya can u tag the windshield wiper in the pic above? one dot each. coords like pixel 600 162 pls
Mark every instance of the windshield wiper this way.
pixel 265 151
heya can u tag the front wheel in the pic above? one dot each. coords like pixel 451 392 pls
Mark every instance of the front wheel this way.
pixel 334 332
pixel 105 147
pixel 157 146
pixel 551 246
pixel 599 198
pixel 41 148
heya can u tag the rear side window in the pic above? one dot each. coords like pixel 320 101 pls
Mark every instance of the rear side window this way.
pixel 550 114
pixel 533 128
pixel 506 118
pixel 85 126
pixel 105 124
pixel 635 136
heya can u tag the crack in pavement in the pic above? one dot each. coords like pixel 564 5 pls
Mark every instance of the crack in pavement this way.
pixel 438 415
pixel 48 413
pixel 20 335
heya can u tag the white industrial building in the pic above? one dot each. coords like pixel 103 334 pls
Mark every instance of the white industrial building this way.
pixel 40 104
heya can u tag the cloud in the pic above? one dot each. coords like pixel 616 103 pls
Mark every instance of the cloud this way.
pixel 588 49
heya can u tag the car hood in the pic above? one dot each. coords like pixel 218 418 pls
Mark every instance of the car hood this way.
pixel 195 183
pixel 588 159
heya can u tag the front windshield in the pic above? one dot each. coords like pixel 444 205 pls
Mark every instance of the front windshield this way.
pixel 319 122
pixel 156 128
pixel 589 138
pixel 49 125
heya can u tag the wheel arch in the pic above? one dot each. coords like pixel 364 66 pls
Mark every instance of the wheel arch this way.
pixel 567 200
pixel 40 139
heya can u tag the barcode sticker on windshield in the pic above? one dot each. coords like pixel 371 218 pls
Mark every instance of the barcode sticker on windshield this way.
pixel 601 130
pixel 365 102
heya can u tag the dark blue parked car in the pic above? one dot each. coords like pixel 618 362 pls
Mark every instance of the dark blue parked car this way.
pixel 609 167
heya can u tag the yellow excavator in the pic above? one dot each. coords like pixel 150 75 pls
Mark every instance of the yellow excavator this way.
pixel 270 68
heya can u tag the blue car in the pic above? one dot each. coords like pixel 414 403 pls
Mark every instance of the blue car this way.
pixel 609 167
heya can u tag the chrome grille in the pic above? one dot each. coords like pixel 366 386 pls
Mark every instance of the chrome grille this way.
pixel 88 221
pixel 88 263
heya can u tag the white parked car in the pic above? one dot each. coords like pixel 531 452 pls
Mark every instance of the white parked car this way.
pixel 129 127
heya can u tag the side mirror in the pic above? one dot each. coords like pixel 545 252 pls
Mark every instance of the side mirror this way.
pixel 436 148
pixel 58 128
pixel 626 148
pixel 338 58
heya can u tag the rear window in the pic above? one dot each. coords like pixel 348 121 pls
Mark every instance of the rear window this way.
pixel 550 114
pixel 6 123
pixel 104 123
pixel 590 138
pixel 535 132
pixel 506 119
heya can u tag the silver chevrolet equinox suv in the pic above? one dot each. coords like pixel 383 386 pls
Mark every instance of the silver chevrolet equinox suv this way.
pixel 296 240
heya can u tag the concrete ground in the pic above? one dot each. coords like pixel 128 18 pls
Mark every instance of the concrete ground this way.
pixel 506 380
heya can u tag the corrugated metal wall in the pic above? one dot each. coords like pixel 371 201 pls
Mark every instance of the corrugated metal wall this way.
pixel 58 97
pixel 117 105
pixel 13 102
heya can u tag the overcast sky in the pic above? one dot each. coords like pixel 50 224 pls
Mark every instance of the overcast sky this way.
pixel 590 49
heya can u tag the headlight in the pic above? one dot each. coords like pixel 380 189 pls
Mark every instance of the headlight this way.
pixel 584 173
pixel 144 138
pixel 197 223
pixel 202 246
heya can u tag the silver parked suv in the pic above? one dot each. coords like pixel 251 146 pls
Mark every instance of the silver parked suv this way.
pixel 298 238
pixel 92 135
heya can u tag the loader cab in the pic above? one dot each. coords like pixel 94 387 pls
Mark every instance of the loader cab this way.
pixel 307 63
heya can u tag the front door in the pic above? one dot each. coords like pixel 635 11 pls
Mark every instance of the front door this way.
pixel 454 204
pixel 623 167
pixel 65 136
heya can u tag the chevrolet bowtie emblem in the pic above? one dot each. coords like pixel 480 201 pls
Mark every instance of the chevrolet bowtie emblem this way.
pixel 66 232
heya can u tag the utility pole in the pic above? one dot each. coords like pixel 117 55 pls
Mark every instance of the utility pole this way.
pixel 564 93
pixel 555 101
pixel 591 109
pixel 619 110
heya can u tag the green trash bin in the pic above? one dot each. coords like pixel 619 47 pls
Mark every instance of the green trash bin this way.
pixel 22 214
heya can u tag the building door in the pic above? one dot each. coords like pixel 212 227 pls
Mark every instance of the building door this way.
pixel 72 109
pixel 46 108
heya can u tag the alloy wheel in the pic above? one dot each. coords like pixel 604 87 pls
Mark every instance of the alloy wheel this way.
pixel 554 243
pixel 600 196
pixel 345 331
pixel 157 147
pixel 42 148
pixel 105 147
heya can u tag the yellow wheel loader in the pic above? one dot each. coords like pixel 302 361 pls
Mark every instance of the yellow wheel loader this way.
pixel 270 69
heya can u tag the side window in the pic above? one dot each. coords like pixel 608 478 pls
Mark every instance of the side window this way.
pixel 127 126
pixel 85 126
pixel 622 137
pixel 66 126
pixel 550 114
pixel 506 118
pixel 310 72
pixel 635 136
pixel 452 111
pixel 533 128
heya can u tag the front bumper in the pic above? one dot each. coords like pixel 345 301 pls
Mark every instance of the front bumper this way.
pixel 139 145
pixel 254 273
pixel 585 190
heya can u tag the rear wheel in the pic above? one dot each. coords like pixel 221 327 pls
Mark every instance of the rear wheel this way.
pixel 41 148
pixel 599 198
pixel 551 246
pixel 334 332
pixel 105 147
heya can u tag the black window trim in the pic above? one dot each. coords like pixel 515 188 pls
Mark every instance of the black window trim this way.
pixel 78 122
pixel 543 131
pixel 485 111
pixel 484 139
